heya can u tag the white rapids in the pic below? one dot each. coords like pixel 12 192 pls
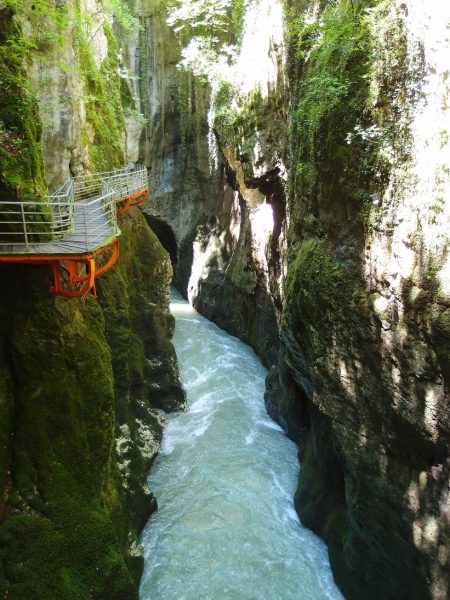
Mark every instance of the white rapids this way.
pixel 226 528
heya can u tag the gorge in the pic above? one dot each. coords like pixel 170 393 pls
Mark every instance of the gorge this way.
pixel 298 162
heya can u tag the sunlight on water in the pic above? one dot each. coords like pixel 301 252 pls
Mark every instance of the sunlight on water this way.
pixel 226 527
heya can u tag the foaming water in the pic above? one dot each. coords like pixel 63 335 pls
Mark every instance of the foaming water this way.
pixel 226 527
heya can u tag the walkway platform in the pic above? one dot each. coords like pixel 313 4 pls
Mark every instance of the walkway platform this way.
pixel 75 230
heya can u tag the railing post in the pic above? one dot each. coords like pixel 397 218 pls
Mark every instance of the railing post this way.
pixel 85 227
pixel 25 233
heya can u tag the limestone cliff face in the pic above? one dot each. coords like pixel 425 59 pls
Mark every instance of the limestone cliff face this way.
pixel 82 381
pixel 364 334
pixel 66 95
pixel 324 214
pixel 215 199
pixel 80 83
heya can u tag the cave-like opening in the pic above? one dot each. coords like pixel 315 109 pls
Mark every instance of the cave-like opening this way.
pixel 166 236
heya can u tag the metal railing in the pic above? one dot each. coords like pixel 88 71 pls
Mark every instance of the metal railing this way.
pixel 82 206
pixel 123 181
pixel 99 218
pixel 34 222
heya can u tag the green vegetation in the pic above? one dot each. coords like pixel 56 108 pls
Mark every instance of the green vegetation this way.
pixel 66 530
pixel 317 287
pixel 207 19
pixel 6 417
pixel 48 23
pixel 122 11
pixel 21 164
pixel 103 101
pixel 328 280
pixel 209 32
pixel 331 120
pixel 135 328
pixel 346 121
pixel 238 16
pixel 238 119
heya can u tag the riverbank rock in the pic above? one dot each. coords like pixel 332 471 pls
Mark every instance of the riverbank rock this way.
pixel 81 423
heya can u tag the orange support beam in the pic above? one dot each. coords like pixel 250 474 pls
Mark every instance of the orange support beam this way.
pixel 82 268
pixel 132 200
pixel 74 275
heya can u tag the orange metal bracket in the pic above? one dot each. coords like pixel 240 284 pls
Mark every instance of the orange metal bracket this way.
pixel 132 200
pixel 82 268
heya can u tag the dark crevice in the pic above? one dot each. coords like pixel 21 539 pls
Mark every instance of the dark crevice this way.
pixel 165 235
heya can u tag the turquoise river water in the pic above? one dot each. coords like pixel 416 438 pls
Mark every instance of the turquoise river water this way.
pixel 226 528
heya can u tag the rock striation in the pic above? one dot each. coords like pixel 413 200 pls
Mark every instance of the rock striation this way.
pixel 202 201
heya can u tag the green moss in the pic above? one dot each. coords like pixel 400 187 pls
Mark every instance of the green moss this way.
pixel 6 419
pixel 237 125
pixel 318 287
pixel 133 296
pixel 104 110
pixel 331 125
pixel 126 97
pixel 316 281
pixel 38 550
pixel 240 270
pixel 137 330
pixel 21 164
pixel 238 15
pixel 66 534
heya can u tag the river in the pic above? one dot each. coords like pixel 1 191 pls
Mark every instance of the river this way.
pixel 226 528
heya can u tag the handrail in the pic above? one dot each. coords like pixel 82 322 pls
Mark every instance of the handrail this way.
pixel 87 200
pixel 124 181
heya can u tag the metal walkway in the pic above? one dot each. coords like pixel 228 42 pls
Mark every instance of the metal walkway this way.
pixel 73 227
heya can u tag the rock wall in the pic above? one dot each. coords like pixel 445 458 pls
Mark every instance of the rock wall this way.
pixel 212 207
pixel 82 380
pixel 363 333
pixel 324 218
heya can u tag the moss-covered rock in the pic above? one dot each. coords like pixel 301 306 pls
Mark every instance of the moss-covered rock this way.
pixel 366 345
pixel 63 511
pixel 103 131
pixel 134 297
pixel 21 164
pixel 77 374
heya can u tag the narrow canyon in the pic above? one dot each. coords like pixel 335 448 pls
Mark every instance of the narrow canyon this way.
pixel 285 165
